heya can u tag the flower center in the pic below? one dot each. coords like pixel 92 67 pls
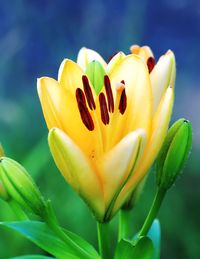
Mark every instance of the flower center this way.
pixel 106 103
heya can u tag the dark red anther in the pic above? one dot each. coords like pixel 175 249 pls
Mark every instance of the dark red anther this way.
pixel 150 64
pixel 123 102
pixel 123 82
pixel 80 97
pixel 104 109
pixel 85 115
pixel 109 94
pixel 88 93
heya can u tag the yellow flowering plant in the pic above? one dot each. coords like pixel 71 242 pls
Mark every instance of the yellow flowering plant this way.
pixel 107 124
pixel 114 129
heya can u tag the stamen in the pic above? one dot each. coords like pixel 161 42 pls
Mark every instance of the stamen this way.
pixel 80 97
pixel 123 102
pixel 88 93
pixel 109 94
pixel 104 110
pixel 150 63
pixel 85 115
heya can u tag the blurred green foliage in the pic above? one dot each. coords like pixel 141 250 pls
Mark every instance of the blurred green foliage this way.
pixel 34 38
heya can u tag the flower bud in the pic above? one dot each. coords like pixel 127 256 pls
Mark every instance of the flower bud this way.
pixel 174 153
pixel 19 186
pixel 3 194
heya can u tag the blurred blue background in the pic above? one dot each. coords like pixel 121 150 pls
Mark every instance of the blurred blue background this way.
pixel 35 36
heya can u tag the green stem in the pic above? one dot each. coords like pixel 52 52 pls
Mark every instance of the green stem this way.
pixel 104 240
pixel 124 221
pixel 153 212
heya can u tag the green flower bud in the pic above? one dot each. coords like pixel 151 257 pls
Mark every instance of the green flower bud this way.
pixel 19 186
pixel 3 194
pixel 174 153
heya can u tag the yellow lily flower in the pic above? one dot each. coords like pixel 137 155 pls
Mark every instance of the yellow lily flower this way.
pixel 107 122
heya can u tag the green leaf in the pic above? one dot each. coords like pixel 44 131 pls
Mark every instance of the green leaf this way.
pixel 32 257
pixel 96 74
pixel 126 249
pixel 155 235
pixel 83 243
pixel 40 234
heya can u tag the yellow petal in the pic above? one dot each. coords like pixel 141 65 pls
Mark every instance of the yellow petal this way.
pixel 162 76
pixel 159 131
pixel 138 90
pixel 118 162
pixel 85 56
pixel 53 99
pixel 76 169
pixel 70 75
pixel 115 61
pixel 61 110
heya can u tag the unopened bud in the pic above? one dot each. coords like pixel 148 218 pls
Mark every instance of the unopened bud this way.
pixel 174 153
pixel 19 186
pixel 3 194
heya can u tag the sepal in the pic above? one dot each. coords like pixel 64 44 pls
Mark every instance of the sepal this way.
pixel 77 170
pixel 163 76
